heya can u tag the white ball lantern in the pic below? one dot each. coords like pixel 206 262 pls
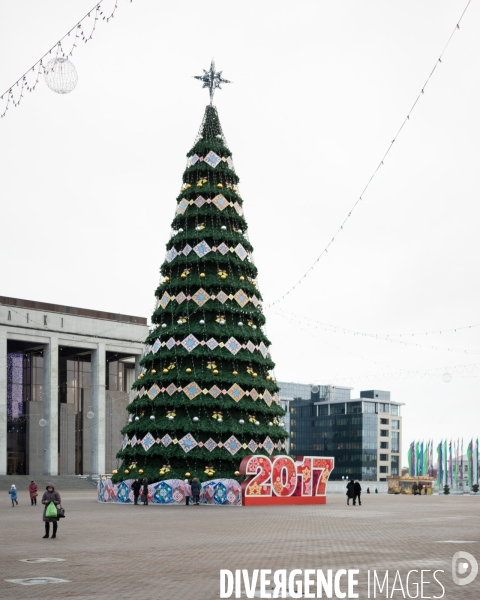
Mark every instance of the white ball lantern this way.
pixel 60 75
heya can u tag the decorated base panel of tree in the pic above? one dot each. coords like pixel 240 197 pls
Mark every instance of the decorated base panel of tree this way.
pixel 206 397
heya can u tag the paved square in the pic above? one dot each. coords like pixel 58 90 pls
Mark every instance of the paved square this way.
pixel 115 551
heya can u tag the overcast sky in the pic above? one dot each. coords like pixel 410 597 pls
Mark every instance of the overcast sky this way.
pixel 89 179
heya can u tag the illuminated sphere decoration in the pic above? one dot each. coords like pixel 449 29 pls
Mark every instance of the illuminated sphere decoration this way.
pixel 90 414
pixel 42 422
pixel 61 75
pixel 447 378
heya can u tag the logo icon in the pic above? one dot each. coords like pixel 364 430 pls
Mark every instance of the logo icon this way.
pixel 460 568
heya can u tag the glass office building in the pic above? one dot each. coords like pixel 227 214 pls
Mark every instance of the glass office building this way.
pixel 362 434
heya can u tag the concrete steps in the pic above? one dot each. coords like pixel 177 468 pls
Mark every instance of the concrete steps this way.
pixel 71 482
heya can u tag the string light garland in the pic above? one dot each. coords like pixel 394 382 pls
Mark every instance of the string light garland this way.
pixel 461 370
pixel 15 93
pixel 376 336
pixel 380 164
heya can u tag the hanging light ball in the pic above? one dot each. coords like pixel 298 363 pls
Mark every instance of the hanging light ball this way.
pixel 167 278
pixel 60 75
pixel 140 471
pixel 447 378
pixel 202 275
pixel 165 371
pixel 152 418
pixel 241 421
pixel 254 326
pixel 180 230
pixel 130 420
pixel 170 418
pixel 270 424
pixel 90 414
pixel 188 370
pixel 223 227
pixel 242 278
pixel 126 471
pixel 137 418
pixel 237 473
pixel 240 324
pixel 153 372
pixel 219 419
pixel 257 422
pixel 240 231
pixel 196 419
pixel 164 325
pixel 180 322
pixel 115 471
pixel 235 373
pixel 281 424
pixel 42 422
pixel 215 371
pixel 187 474
pixel 202 322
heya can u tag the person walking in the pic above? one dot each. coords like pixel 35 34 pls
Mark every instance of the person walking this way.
pixel 136 485
pixel 358 490
pixel 188 492
pixel 196 488
pixel 414 488
pixel 50 495
pixel 368 490
pixel 420 488
pixel 13 495
pixel 145 491
pixel 33 489
pixel 350 491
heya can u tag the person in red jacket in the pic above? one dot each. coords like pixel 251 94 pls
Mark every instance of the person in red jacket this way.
pixel 33 489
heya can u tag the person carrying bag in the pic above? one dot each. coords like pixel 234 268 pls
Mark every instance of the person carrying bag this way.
pixel 52 501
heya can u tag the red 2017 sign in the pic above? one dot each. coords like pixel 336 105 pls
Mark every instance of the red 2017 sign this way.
pixel 281 480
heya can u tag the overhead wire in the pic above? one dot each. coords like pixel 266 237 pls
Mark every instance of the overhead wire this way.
pixel 380 164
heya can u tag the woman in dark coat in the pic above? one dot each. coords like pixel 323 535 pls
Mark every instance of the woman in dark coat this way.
pixel 350 491
pixel 136 485
pixel 196 488
pixel 358 492
pixel 145 491
pixel 50 496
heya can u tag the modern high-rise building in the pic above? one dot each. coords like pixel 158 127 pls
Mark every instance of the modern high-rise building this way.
pixel 364 434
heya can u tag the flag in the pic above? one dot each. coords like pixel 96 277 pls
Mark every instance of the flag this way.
pixel 456 462
pixel 476 463
pixel 439 464
pixel 469 463
pixel 450 463
pixel 409 455
pixel 461 462
pixel 425 459
pixel 417 462
pixel 445 461
pixel 430 471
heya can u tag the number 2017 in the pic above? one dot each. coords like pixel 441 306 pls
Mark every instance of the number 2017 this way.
pixel 281 480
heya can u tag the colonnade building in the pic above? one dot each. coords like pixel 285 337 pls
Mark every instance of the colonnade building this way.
pixel 65 380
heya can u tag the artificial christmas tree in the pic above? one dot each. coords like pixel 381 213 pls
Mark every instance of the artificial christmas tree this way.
pixel 206 397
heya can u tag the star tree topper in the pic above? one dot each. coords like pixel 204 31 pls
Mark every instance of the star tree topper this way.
pixel 212 79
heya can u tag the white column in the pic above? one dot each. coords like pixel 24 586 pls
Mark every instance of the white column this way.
pixel 50 407
pixel 98 407
pixel 3 402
